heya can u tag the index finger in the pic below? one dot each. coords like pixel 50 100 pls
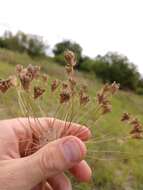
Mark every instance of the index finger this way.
pixel 25 127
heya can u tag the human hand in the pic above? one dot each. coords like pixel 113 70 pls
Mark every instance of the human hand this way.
pixel 49 162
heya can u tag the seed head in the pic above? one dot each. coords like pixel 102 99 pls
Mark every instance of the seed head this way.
pixel 38 92
pixel 114 87
pixel 7 83
pixel 33 70
pixel 26 75
pixel 106 108
pixel 125 117
pixel 65 85
pixel 72 84
pixel 54 85
pixel 83 97
pixel 65 96
pixel 69 69
pixel 70 58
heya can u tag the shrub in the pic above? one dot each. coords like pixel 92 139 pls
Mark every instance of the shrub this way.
pixel 115 67
pixel 87 64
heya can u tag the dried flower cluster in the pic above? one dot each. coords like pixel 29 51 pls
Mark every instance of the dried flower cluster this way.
pixel 104 95
pixel 71 61
pixel 69 91
pixel 136 126
pixel 54 85
pixel 7 83
pixel 27 75
pixel 38 92
pixel 84 98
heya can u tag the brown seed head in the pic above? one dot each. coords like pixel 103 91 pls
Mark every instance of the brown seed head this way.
pixel 65 96
pixel 70 58
pixel 5 85
pixel 54 85
pixel 65 85
pixel 25 78
pixel 134 122
pixel 33 70
pixel 100 98
pixel 125 117
pixel 84 99
pixel 38 92
pixel 106 108
pixel 72 84
pixel 26 75
pixel 69 69
pixel 114 87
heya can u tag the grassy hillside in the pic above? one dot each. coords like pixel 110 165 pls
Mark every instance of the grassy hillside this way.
pixel 116 164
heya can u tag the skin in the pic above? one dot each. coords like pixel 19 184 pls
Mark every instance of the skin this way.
pixel 50 162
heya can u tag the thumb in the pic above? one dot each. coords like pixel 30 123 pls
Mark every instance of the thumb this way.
pixel 50 160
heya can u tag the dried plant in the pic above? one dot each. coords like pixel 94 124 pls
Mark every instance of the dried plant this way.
pixel 136 126
pixel 72 97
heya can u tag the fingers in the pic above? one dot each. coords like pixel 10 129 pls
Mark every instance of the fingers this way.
pixel 65 128
pixel 23 127
pixel 60 182
pixel 81 171
pixel 51 160
pixel 74 129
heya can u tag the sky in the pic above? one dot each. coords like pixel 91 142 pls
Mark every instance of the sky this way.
pixel 98 26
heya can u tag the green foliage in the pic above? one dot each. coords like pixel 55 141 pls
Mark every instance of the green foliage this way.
pixel 115 67
pixel 87 64
pixel 64 45
pixel 59 59
pixel 21 42
pixel 139 91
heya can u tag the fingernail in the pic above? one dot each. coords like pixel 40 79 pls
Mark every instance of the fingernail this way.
pixel 71 150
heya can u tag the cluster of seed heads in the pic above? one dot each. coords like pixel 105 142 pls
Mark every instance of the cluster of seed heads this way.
pixel 7 83
pixel 83 97
pixel 27 75
pixel 54 85
pixel 136 126
pixel 68 87
pixel 38 92
pixel 103 97
pixel 68 90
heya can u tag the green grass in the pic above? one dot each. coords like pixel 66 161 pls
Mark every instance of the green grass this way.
pixel 123 173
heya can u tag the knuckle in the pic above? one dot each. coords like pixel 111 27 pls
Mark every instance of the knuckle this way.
pixel 51 162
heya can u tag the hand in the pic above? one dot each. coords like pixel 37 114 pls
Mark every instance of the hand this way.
pixel 49 162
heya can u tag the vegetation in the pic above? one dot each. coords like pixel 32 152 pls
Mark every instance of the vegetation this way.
pixel 109 67
pixel 21 42
pixel 114 161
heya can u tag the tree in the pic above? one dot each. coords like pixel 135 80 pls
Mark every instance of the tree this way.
pixel 22 42
pixel 115 67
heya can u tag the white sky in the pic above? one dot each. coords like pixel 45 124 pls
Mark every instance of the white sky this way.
pixel 98 26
